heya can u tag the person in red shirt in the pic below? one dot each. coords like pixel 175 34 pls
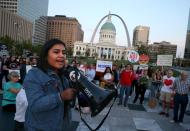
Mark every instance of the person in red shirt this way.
pixel 126 78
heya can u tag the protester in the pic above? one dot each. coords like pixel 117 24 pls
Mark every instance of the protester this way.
pixel 1 73
pixel 137 74
pixel 47 91
pixel 143 84
pixel 10 64
pixel 126 78
pixel 33 62
pixel 21 106
pixel 156 83
pixel 10 90
pixel 90 72
pixel 166 92
pixel 115 74
pixel 181 88
pixel 108 78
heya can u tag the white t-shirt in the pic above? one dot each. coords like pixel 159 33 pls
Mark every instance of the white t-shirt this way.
pixel 167 84
pixel 21 106
pixel 107 76
pixel 90 73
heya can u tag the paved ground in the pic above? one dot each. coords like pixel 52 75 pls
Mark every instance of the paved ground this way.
pixel 123 119
pixel 120 119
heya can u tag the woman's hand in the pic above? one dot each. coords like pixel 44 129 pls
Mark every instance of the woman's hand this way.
pixel 68 94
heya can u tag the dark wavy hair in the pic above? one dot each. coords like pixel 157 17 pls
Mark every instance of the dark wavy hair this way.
pixel 108 68
pixel 42 62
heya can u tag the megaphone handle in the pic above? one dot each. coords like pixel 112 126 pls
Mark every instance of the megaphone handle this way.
pixel 100 122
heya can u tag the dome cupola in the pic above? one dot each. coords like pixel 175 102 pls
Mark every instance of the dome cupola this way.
pixel 107 32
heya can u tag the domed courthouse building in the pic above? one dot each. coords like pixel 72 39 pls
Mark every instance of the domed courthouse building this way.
pixel 106 48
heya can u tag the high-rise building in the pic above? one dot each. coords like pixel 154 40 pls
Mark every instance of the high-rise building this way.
pixel 30 10
pixel 40 34
pixel 14 26
pixel 10 5
pixel 187 43
pixel 161 48
pixel 67 29
pixel 141 35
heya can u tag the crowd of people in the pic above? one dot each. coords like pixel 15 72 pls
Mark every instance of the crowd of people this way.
pixel 39 93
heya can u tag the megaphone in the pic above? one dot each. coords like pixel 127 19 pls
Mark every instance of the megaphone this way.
pixel 97 97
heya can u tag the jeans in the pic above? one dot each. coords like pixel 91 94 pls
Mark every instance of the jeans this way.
pixel 126 90
pixel 182 101
pixel 140 91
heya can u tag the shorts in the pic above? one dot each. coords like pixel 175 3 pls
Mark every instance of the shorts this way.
pixel 165 96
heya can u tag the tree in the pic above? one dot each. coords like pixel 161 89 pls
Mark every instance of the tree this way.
pixel 7 41
pixel 143 50
pixel 69 51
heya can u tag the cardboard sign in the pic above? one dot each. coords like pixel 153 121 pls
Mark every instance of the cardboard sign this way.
pixel 101 65
pixel 164 60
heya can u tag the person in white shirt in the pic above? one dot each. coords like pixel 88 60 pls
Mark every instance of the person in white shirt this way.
pixel 90 72
pixel 108 78
pixel 21 106
pixel 166 92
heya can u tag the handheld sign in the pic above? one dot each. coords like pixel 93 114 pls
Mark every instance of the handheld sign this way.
pixel 133 56
pixel 164 60
pixel 101 65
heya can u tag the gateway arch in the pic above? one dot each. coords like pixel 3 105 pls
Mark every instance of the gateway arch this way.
pixel 126 30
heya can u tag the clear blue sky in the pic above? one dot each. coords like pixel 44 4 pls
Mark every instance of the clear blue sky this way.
pixel 167 19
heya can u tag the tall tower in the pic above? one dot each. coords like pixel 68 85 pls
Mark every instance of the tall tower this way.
pixel 32 11
pixel 141 35
pixel 28 9
pixel 187 43
pixel 67 29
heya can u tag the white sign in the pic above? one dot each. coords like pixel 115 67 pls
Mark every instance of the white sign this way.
pixel 164 60
pixel 133 56
pixel 141 67
pixel 101 65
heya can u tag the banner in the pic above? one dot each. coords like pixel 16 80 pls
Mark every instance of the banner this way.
pixel 101 65
pixel 164 60
pixel 141 67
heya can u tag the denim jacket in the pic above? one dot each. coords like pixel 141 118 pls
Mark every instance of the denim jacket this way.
pixel 45 110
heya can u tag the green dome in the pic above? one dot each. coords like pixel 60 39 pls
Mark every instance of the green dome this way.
pixel 108 26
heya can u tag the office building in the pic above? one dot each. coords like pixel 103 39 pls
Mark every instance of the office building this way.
pixel 67 29
pixel 187 43
pixel 141 36
pixel 40 34
pixel 14 26
pixel 161 48
pixel 30 10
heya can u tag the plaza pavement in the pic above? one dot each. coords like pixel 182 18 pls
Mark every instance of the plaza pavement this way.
pixel 123 119
pixel 120 119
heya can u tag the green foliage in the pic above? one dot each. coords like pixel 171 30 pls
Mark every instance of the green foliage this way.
pixel 69 51
pixel 7 41
pixel 17 47
pixel 143 50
